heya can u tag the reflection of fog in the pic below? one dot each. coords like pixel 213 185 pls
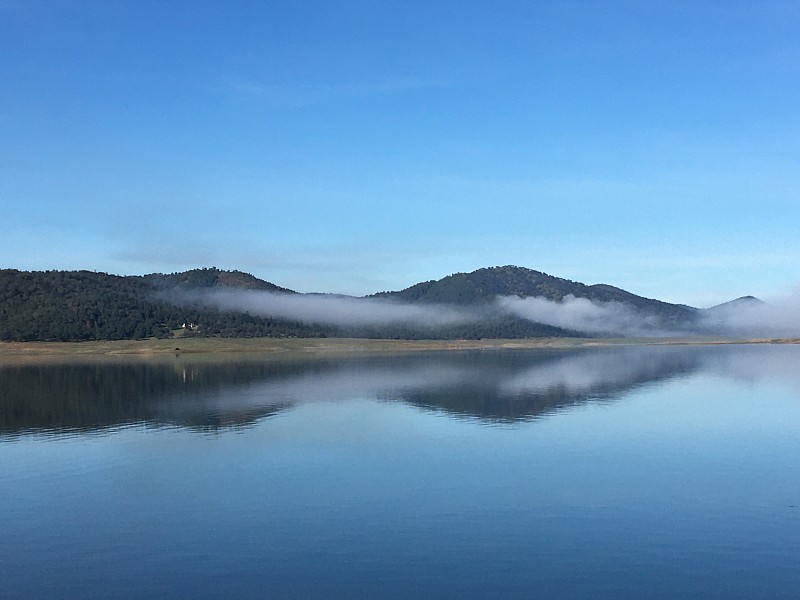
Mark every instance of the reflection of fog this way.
pixel 524 387
pixel 340 382
pixel 496 385
pixel 613 368
pixel 775 362
pixel 336 382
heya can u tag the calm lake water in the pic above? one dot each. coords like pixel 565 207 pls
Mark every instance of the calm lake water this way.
pixel 640 472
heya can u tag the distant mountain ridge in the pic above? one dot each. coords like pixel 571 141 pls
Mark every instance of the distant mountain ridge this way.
pixel 83 305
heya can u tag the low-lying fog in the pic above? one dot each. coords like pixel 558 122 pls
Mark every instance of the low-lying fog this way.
pixel 777 318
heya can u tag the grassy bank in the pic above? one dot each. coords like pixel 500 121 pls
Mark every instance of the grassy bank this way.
pixel 155 347
pixel 266 345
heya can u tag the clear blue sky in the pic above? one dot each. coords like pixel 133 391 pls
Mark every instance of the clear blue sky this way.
pixel 355 147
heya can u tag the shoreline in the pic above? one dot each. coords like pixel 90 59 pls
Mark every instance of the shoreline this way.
pixel 15 351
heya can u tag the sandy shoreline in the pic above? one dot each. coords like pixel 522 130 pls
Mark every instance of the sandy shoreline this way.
pixel 16 351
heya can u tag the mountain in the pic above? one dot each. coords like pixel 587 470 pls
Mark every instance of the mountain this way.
pixel 743 302
pixel 484 285
pixel 211 278
pixel 738 318
pixel 86 305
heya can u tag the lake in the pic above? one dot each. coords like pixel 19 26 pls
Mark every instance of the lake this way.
pixel 615 472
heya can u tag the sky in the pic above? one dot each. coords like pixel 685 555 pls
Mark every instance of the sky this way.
pixel 354 147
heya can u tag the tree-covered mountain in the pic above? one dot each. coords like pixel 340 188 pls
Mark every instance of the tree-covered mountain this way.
pixel 497 327
pixel 485 285
pixel 84 305
pixel 211 278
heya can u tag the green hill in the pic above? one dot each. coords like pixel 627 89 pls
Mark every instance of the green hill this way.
pixel 210 278
pixel 85 305
pixel 484 285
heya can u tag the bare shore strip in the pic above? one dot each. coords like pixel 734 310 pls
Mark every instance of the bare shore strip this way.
pixel 15 351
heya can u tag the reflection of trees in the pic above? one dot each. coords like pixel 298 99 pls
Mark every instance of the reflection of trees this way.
pixel 520 387
pixel 97 396
pixel 498 386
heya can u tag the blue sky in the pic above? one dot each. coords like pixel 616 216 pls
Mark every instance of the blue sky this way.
pixel 355 147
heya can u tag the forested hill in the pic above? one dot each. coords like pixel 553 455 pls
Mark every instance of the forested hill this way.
pixel 484 285
pixel 209 278
pixel 85 305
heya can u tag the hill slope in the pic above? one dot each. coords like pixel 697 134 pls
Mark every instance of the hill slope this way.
pixel 484 285
pixel 84 305
pixel 743 302
pixel 211 278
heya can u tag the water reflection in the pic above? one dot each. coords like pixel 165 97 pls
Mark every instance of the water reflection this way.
pixel 493 386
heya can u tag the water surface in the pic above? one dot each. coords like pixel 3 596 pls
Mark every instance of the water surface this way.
pixel 655 472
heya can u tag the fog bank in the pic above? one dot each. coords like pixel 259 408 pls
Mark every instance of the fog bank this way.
pixel 751 318
pixel 581 314
pixel 777 318
pixel 326 309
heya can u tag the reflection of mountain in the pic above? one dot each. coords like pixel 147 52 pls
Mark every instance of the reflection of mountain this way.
pixel 521 386
pixel 87 397
pixel 498 386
